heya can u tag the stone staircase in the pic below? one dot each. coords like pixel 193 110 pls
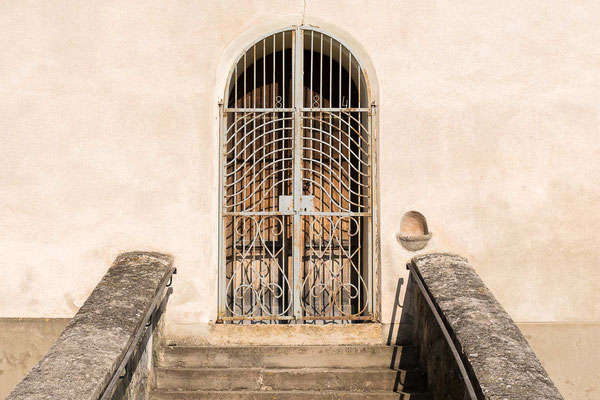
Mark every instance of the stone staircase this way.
pixel 289 372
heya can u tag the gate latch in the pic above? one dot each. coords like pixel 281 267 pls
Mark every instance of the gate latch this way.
pixel 307 204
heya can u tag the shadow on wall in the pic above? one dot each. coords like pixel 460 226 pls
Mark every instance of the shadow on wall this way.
pixel 405 357
pixel 399 333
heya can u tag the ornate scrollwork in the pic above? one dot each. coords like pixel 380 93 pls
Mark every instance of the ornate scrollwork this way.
pixel 332 283
pixel 258 284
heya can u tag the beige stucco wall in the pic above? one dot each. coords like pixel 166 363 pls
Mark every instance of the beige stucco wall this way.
pixel 569 353
pixel 488 114
pixel 23 341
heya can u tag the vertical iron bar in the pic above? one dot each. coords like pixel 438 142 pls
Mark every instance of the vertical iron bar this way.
pixel 321 162
pixel 312 93
pixel 311 134
pixel 348 128
pixel 243 184
pixel 330 70
pixel 359 83
pixel 272 185
pixel 297 174
pixel 349 81
pixel 264 68
pixel 273 104
pixel 253 199
pixel 310 163
pixel 339 205
pixel 222 259
pixel 373 209
pixel 234 174
pixel 235 104
pixel 263 199
pixel 331 153
pixel 254 78
pixel 234 208
pixel 283 67
pixel 321 75
pixel 291 182
pixel 340 78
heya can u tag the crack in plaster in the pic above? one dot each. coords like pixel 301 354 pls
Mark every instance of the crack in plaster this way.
pixel 303 12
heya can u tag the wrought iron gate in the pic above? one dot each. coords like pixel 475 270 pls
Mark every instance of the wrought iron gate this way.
pixel 296 183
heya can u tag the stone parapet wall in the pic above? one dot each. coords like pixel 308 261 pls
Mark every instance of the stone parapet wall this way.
pixel 435 355
pixel 498 360
pixel 89 352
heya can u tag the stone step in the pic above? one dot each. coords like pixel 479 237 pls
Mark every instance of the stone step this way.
pixel 353 356
pixel 286 395
pixel 318 379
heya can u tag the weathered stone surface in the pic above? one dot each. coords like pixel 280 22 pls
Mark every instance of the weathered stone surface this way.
pixel 286 395
pixel 286 335
pixel 317 356
pixel 501 363
pixel 284 379
pixel 444 379
pixel 284 372
pixel 81 362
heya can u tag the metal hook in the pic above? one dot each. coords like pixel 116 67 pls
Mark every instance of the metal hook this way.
pixel 124 372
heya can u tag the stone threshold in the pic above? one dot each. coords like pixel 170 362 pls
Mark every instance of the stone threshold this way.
pixel 292 335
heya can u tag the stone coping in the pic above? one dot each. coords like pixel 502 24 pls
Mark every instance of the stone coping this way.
pixel 82 361
pixel 499 361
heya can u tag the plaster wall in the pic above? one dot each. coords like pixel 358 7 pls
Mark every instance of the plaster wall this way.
pixel 568 353
pixel 23 341
pixel 488 125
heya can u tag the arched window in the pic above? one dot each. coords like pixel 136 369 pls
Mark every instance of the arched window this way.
pixel 296 236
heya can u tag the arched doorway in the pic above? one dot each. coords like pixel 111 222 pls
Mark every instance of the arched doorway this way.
pixel 296 237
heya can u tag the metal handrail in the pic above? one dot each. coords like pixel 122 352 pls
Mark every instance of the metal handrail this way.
pixel 461 366
pixel 121 371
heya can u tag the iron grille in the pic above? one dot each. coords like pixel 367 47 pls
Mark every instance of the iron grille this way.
pixel 296 183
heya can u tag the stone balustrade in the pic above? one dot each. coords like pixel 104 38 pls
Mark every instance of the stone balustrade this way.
pixel 498 360
pixel 85 359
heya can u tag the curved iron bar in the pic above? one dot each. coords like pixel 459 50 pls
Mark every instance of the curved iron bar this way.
pixel 321 186
pixel 344 173
pixel 358 133
pixel 256 190
pixel 255 139
pixel 248 123
pixel 333 138
pixel 252 169
pixel 461 366
pixel 335 175
pixel 265 156
pixel 254 172
pixel 243 116
pixel 324 179
pixel 235 134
